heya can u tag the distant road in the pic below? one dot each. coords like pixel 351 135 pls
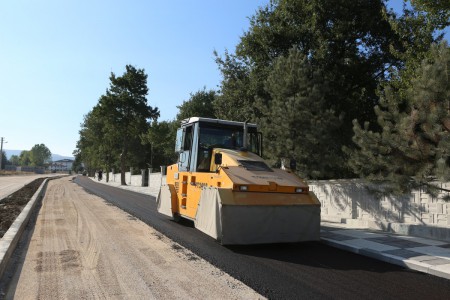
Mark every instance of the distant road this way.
pixel 10 184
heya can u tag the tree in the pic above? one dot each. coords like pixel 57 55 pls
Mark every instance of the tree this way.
pixel 436 11
pixel 237 94
pixel 417 28
pixel 4 159
pixel 40 155
pixel 96 148
pixel 25 158
pixel 200 104
pixel 14 160
pixel 126 116
pixel 350 42
pixel 160 138
pixel 296 122
pixel 412 149
pixel 77 165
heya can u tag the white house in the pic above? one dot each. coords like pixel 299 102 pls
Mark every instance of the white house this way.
pixel 62 165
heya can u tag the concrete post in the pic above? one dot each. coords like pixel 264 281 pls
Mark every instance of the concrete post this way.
pixel 131 174
pixel 142 177
pixel 150 170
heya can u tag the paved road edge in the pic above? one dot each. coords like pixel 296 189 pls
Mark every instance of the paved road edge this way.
pixel 408 264
pixel 9 241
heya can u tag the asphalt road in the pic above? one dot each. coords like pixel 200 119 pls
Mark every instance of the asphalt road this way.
pixel 285 271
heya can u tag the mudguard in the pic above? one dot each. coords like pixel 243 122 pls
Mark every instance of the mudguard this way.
pixel 164 201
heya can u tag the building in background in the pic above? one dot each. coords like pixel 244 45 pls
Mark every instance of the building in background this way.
pixel 61 165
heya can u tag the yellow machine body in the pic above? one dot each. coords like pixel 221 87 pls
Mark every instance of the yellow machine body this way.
pixel 241 200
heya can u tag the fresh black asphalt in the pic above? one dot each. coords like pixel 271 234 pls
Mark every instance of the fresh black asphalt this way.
pixel 284 271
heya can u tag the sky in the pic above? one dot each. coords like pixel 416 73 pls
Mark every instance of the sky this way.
pixel 56 58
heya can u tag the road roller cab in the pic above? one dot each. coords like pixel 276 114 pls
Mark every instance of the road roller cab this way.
pixel 222 183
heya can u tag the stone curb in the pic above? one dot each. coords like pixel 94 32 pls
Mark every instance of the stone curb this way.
pixel 9 241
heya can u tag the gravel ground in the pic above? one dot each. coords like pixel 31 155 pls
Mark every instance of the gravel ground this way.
pixel 84 248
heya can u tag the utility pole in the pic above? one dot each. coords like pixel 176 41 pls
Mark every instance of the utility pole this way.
pixel 1 152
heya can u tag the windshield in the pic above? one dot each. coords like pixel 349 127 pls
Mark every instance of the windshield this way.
pixel 228 138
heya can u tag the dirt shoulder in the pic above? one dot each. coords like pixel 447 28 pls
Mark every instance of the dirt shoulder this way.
pixel 82 247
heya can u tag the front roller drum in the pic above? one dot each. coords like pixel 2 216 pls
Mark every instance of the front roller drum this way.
pixel 256 224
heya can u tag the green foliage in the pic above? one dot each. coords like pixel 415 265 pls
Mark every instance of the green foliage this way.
pixel 40 155
pixel 25 158
pixel 412 149
pixel 200 104
pixel 296 122
pixel 436 11
pixel 112 130
pixel 97 147
pixel 77 165
pixel 4 159
pixel 14 160
pixel 416 30
pixel 160 139
pixel 237 96
pixel 349 43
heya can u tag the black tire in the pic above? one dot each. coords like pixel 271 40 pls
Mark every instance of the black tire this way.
pixel 176 217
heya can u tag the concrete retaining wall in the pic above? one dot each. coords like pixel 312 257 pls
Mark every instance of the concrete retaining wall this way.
pixel 154 180
pixel 419 214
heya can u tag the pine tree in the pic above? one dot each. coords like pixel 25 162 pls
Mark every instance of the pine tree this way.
pixel 412 149
pixel 126 107
pixel 114 128
pixel 297 122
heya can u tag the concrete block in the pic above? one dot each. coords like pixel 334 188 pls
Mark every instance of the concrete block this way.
pixel 440 219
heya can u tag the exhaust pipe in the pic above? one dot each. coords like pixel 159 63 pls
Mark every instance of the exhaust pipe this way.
pixel 244 138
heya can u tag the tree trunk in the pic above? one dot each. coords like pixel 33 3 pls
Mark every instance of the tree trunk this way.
pixel 122 167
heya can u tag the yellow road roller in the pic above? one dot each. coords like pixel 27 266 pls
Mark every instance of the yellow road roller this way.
pixel 222 183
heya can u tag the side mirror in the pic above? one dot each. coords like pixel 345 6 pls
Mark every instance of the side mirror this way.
pixel 218 158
